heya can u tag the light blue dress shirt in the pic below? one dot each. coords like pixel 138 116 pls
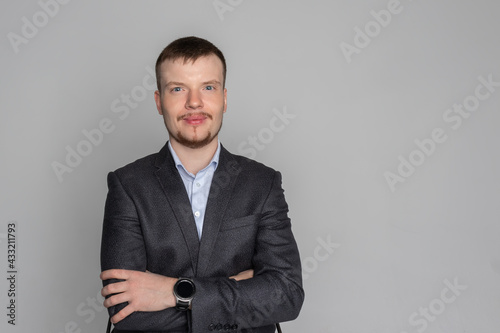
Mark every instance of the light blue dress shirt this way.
pixel 197 186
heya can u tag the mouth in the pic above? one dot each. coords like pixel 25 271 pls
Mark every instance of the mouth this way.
pixel 195 118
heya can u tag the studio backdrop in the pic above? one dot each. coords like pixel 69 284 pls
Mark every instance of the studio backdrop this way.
pixel 382 116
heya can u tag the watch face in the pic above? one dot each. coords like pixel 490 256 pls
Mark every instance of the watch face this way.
pixel 185 289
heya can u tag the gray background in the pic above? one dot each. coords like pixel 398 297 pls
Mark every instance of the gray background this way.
pixel 392 251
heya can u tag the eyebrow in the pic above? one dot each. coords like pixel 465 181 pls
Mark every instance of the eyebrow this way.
pixel 212 82
pixel 175 83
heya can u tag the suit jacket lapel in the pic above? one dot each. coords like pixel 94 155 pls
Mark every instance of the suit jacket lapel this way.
pixel 221 188
pixel 176 194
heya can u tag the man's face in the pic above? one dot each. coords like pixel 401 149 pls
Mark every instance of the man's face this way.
pixel 192 100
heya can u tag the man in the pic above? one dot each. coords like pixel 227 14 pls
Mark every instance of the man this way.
pixel 194 237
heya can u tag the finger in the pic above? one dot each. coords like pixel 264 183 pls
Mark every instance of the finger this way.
pixel 114 288
pixel 125 312
pixel 247 274
pixel 116 299
pixel 237 276
pixel 115 274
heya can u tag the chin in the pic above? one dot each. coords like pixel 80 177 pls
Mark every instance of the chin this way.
pixel 194 143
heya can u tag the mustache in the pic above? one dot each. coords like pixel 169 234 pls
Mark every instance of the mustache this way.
pixel 190 114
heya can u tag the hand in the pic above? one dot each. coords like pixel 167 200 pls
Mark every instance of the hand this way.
pixel 144 291
pixel 248 274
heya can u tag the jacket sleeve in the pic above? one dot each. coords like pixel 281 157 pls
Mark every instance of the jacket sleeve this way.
pixel 122 246
pixel 275 292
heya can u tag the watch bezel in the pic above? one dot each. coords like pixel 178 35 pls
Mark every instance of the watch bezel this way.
pixel 184 303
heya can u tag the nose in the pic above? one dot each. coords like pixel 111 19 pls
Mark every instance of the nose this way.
pixel 194 100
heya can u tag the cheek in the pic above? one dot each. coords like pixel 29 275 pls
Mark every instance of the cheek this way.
pixel 169 118
pixel 169 110
pixel 217 104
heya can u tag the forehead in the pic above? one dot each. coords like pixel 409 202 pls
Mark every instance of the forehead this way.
pixel 204 68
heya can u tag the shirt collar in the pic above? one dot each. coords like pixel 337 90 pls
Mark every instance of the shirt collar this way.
pixel 213 163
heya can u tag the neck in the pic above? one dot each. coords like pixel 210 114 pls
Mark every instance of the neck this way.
pixel 195 159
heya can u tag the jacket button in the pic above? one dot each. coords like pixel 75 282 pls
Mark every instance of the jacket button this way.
pixel 234 327
pixel 227 327
pixel 211 327
pixel 218 327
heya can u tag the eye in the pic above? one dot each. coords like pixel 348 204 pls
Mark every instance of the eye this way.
pixel 209 87
pixel 176 89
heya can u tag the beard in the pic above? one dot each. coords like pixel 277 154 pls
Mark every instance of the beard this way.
pixel 196 142
pixel 193 143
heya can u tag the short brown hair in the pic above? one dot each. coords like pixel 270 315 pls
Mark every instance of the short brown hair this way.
pixel 190 49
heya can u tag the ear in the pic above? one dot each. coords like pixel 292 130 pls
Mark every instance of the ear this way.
pixel 225 99
pixel 158 102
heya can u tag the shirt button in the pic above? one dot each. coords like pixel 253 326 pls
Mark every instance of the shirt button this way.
pixel 198 184
pixel 197 214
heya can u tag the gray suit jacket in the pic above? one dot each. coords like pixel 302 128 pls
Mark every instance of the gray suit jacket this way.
pixel 149 225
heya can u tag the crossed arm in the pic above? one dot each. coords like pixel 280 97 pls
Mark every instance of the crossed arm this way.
pixel 144 291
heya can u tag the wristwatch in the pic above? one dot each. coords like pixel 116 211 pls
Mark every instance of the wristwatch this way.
pixel 184 291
